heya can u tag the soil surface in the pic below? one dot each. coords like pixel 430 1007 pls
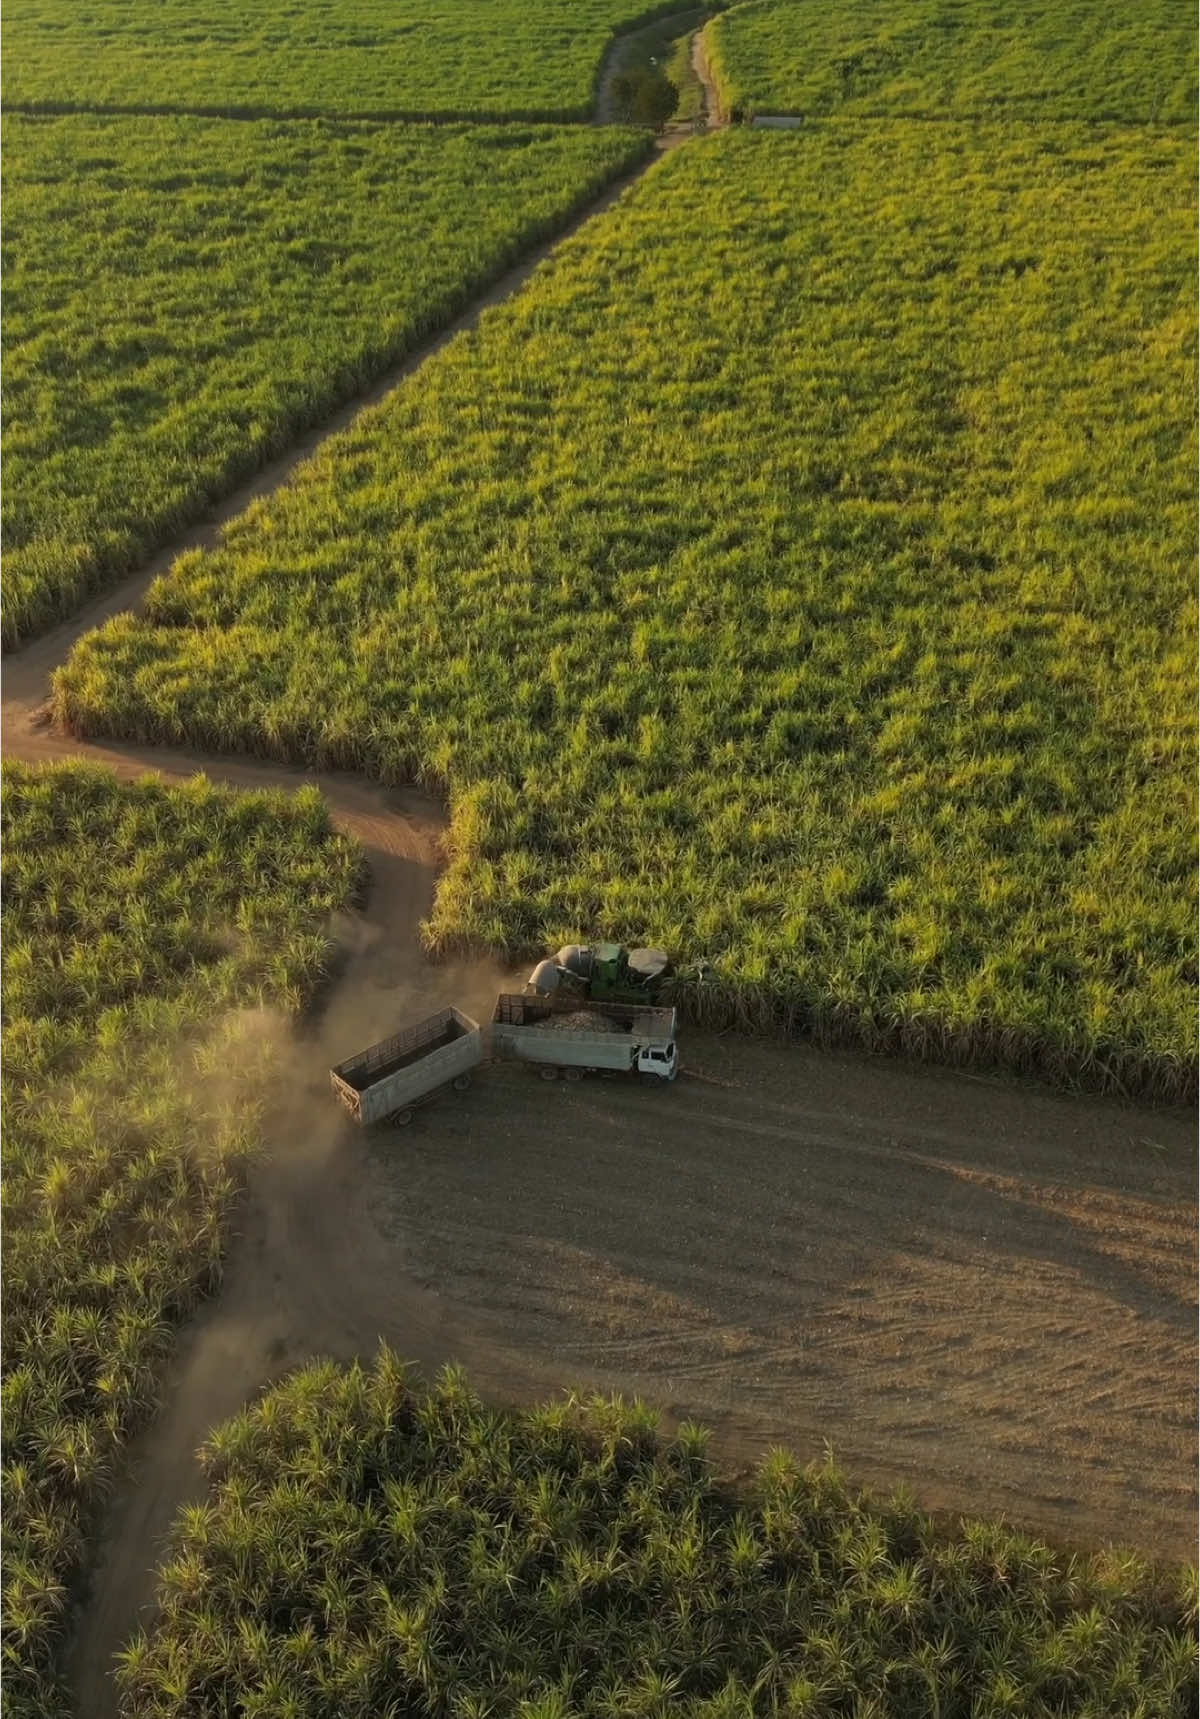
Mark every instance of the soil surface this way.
pixel 970 1285
pixel 976 1288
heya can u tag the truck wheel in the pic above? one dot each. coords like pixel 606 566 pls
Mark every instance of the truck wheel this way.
pixel 461 1082
pixel 573 1074
pixel 548 1073
pixel 402 1118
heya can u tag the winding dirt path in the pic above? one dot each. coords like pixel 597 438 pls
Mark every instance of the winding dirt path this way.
pixel 976 1287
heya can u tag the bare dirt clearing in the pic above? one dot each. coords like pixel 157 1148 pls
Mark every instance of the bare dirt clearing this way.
pixel 986 1294
pixel 977 1288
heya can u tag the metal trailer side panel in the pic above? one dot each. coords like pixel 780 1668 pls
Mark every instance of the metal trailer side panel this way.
pixel 405 1055
pixel 360 1070
pixel 397 1091
pixel 566 1050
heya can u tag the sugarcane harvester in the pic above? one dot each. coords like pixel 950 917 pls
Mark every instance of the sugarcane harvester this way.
pixel 607 973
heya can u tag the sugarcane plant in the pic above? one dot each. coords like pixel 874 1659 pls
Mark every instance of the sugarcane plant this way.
pixel 795 614
pixel 373 1545
pixel 155 940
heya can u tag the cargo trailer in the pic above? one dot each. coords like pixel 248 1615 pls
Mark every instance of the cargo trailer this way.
pixel 574 1036
pixel 388 1081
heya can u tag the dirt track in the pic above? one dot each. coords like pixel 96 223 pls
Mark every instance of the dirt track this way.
pixel 619 58
pixel 972 1286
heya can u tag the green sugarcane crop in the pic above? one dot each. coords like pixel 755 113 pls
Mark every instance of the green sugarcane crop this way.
pixel 369 1546
pixel 139 922
pixel 1045 60
pixel 184 296
pixel 798 573
pixel 409 59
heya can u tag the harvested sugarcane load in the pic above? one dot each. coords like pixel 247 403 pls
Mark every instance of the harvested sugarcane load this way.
pixel 578 1021
pixel 575 1038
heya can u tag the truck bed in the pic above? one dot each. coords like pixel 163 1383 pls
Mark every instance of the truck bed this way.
pixel 401 1070
pixel 639 1021
pixel 362 1075
pixel 523 1027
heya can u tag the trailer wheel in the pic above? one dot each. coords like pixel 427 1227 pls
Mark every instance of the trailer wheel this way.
pixel 461 1082
pixel 573 1074
pixel 547 1072
pixel 402 1118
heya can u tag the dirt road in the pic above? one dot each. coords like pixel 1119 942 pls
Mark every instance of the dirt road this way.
pixel 976 1288
pixel 973 1286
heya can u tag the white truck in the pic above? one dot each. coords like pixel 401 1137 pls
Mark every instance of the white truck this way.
pixel 388 1081
pixel 575 1037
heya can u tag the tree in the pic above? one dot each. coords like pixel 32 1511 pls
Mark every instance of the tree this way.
pixel 644 96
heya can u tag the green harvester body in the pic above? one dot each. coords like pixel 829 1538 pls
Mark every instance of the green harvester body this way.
pixel 611 980
pixel 608 973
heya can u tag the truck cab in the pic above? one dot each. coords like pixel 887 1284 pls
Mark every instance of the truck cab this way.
pixel 660 1060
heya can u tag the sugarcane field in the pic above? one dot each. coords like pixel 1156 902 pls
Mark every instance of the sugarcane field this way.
pixel 599 820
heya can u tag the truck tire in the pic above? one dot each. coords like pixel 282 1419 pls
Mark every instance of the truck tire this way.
pixel 461 1082
pixel 547 1072
pixel 401 1118
pixel 572 1074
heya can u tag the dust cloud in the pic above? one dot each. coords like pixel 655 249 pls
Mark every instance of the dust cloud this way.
pixel 307 1272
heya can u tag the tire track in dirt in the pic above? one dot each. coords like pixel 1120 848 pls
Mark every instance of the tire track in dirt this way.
pixel 979 1288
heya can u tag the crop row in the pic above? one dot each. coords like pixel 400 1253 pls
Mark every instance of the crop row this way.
pixel 797 574
pixel 367 1547
pixel 184 296
pixel 153 937
pixel 385 59
pixel 1045 60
